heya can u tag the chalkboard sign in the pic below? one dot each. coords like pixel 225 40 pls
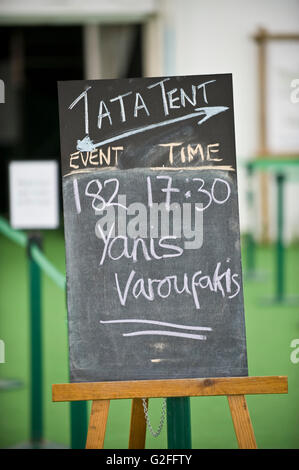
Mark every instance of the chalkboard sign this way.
pixel 154 281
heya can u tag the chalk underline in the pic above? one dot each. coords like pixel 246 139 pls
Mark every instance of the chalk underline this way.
pixel 156 168
pixel 162 332
pixel 155 322
pixel 166 333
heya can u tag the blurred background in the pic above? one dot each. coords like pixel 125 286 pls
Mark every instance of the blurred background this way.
pixel 258 42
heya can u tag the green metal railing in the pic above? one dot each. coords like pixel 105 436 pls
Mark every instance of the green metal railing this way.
pixel 283 169
pixel 45 265
pixel 39 263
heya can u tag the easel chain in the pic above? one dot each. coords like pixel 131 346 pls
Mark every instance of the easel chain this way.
pixel 162 419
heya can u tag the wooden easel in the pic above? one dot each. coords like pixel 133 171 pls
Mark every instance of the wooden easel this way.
pixel 235 388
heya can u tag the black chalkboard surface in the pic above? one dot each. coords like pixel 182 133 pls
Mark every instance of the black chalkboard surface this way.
pixel 154 281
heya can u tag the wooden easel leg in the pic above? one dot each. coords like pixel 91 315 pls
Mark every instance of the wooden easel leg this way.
pixel 138 425
pixel 97 424
pixel 242 422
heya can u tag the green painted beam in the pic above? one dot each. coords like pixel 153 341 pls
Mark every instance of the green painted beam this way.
pixel 78 424
pixel 178 423
pixel 280 272
pixel 36 424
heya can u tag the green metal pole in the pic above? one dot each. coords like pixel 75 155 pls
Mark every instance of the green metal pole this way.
pixel 36 344
pixel 78 424
pixel 178 423
pixel 279 245
pixel 250 245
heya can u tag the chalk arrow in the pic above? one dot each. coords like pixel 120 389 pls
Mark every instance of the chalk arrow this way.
pixel 209 111
pixel 87 145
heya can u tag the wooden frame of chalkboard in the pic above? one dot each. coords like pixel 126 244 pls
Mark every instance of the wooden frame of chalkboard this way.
pixel 235 388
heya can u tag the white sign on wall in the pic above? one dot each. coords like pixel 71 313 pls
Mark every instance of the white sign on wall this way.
pixel 282 113
pixel 33 194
